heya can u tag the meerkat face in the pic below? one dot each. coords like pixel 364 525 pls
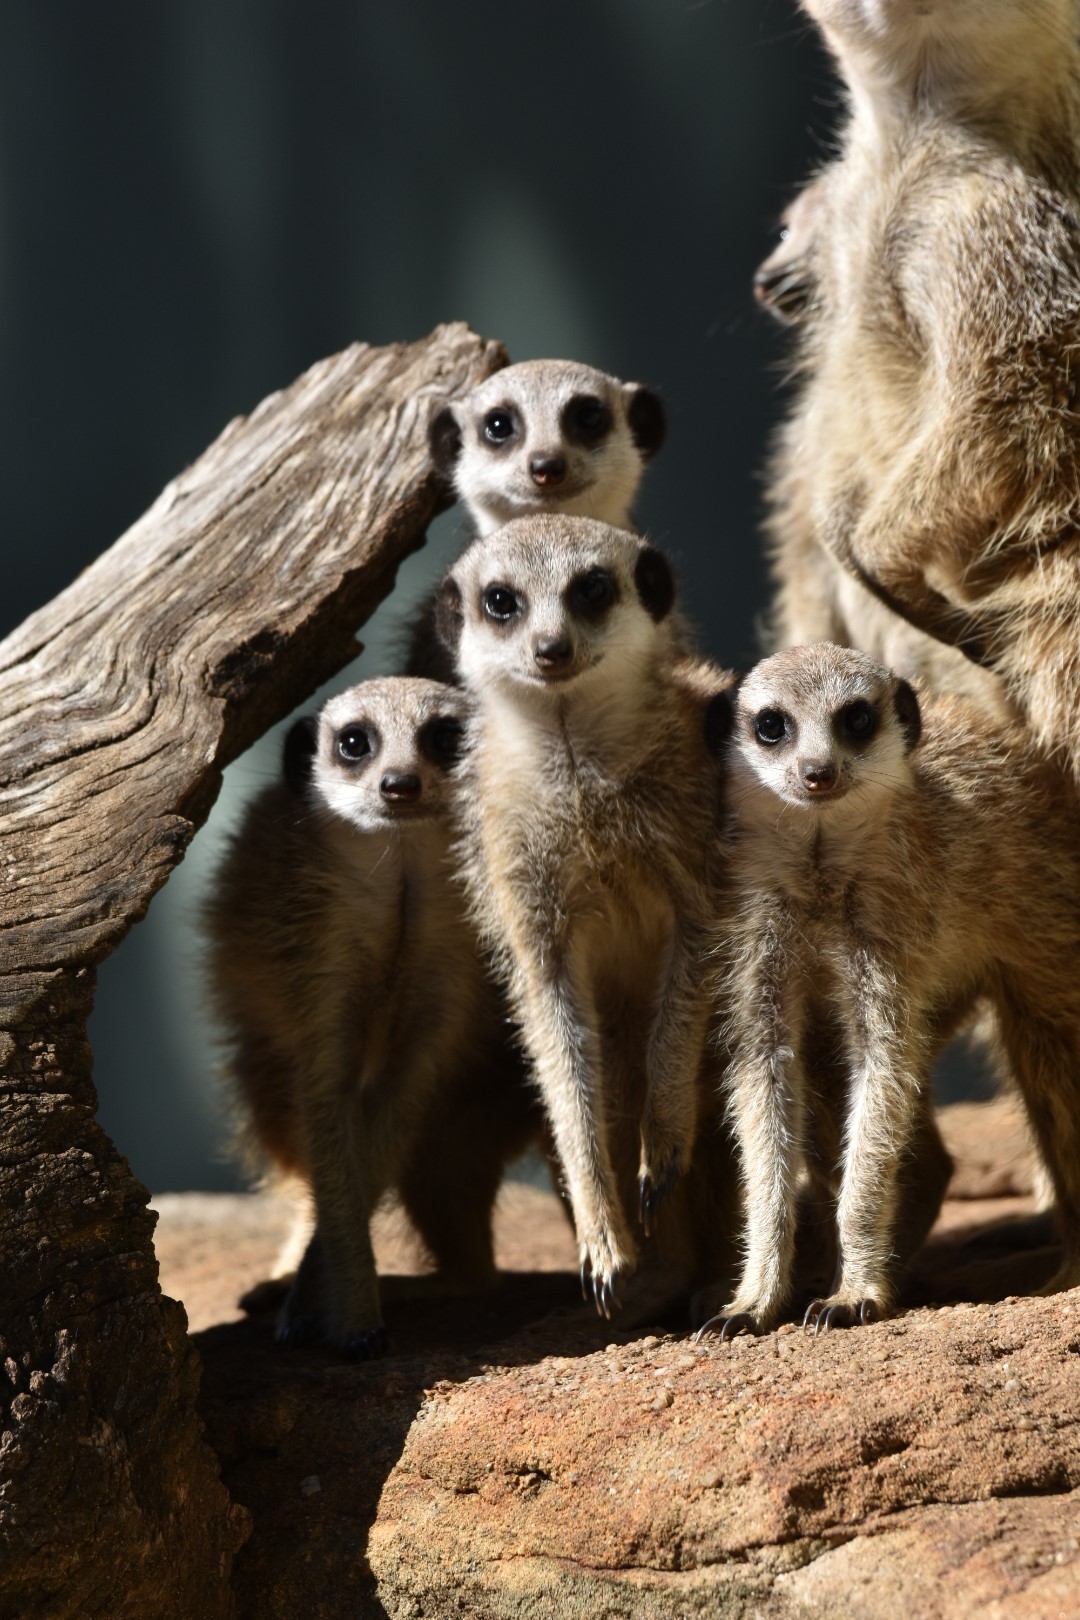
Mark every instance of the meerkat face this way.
pixel 548 603
pixel 548 436
pixel 983 44
pixel 379 754
pixel 786 282
pixel 813 726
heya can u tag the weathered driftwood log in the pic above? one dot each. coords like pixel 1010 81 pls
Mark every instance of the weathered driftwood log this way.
pixel 120 703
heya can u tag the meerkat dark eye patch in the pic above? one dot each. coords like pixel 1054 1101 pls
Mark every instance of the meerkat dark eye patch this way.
pixel 586 420
pixel 647 421
pixel 858 722
pixel 906 706
pixel 441 740
pixel 499 426
pixel 500 603
pixel 354 743
pixel 655 583
pixel 590 595
pixel 444 439
pixel 771 726
pixel 298 754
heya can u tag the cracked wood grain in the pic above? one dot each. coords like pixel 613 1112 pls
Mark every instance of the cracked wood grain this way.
pixel 121 701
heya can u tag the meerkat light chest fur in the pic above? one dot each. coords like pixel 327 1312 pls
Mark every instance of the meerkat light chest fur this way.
pixel 588 795
pixel 367 1043
pixel 933 448
pixel 894 880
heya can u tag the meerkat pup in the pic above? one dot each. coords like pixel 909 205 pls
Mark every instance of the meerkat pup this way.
pixel 933 449
pixel 367 1043
pixel 542 436
pixel 886 868
pixel 588 796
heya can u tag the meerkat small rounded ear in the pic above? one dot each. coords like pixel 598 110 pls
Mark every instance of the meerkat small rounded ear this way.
pixel 444 439
pixel 906 705
pixel 655 583
pixel 448 614
pixel 298 752
pixel 647 420
pixel 719 720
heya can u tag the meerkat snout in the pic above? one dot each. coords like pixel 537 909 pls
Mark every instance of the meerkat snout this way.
pixel 553 655
pixel 819 776
pixel 547 471
pixel 401 788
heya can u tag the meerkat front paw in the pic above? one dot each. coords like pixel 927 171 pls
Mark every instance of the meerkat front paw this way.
pixel 665 1156
pixel 840 1312
pixel 604 1268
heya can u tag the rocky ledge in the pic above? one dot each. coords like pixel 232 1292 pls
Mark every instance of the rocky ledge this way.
pixel 514 1457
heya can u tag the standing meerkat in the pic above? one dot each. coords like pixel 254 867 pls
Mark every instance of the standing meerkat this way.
pixel 887 869
pixel 785 283
pixel 541 436
pixel 588 799
pixel 930 468
pixel 368 1045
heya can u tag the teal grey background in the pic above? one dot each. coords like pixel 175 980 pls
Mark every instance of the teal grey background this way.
pixel 199 199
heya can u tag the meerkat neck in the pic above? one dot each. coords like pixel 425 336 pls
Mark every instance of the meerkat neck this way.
pixel 1018 91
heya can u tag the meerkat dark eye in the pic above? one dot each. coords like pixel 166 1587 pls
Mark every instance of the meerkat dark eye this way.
pixel 770 727
pixel 500 603
pixel 353 744
pixel 586 420
pixel 498 426
pixel 593 593
pixel 441 740
pixel 858 721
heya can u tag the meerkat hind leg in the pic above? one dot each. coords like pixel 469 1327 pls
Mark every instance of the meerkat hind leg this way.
pixel 1046 1063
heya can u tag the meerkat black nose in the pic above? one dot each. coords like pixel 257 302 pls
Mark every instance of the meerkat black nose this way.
pixel 817 774
pixel 547 471
pixel 397 788
pixel 554 653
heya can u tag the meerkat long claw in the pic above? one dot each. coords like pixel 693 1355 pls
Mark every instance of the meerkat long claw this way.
pixel 366 1346
pixel 868 1312
pixel 585 1274
pixel 727 1327
pixel 812 1313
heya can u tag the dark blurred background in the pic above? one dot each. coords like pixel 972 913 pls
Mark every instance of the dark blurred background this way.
pixel 197 200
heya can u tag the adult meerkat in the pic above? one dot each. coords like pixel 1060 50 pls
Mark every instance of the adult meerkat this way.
pixel 541 436
pixel 933 449
pixel 368 1045
pixel 887 868
pixel 588 798
pixel 785 283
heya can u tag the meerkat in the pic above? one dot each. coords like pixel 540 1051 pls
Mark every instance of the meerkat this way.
pixel 887 866
pixel 588 797
pixel 931 463
pixel 541 436
pixel 369 1048
pixel 785 283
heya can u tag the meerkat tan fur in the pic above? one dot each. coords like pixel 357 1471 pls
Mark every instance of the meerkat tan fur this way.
pixel 886 880
pixel 589 797
pixel 933 448
pixel 541 436
pixel 368 1046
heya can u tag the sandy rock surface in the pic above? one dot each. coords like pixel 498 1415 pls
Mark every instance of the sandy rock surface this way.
pixel 514 1456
